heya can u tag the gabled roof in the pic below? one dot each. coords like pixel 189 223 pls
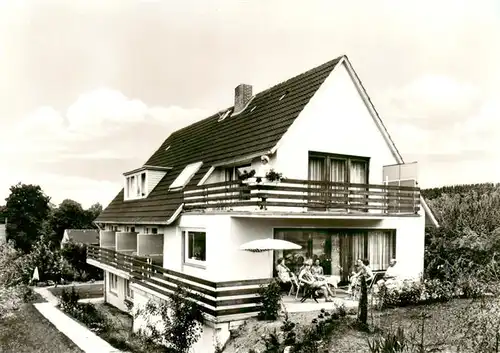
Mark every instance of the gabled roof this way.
pixel 256 130
pixel 253 131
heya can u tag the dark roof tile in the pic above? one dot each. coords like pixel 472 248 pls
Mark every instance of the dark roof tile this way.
pixel 211 141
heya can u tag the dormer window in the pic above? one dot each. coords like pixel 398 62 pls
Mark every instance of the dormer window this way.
pixel 140 182
pixel 136 186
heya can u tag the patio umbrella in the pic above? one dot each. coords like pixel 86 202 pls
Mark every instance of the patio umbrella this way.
pixel 269 244
pixel 36 276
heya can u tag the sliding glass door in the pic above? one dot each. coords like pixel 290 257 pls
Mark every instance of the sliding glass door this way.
pixel 338 249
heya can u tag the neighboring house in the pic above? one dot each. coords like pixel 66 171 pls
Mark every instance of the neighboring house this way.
pixel 84 236
pixel 347 194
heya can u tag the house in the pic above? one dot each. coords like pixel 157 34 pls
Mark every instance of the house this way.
pixel 84 236
pixel 346 193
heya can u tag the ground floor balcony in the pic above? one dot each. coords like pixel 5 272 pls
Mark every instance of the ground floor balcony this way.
pixel 224 301
pixel 304 196
pixel 148 246
pixel 220 301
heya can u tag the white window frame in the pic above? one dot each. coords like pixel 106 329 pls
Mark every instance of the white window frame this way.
pixel 185 250
pixel 129 293
pixel 185 176
pixel 113 283
pixel 136 186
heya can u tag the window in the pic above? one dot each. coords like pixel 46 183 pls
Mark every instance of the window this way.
pixel 224 116
pixel 132 229
pixel 136 186
pixel 143 184
pixel 338 248
pixel 154 230
pixel 129 293
pixel 232 173
pixel 195 247
pixel 113 283
pixel 338 168
pixel 185 176
pixel 283 96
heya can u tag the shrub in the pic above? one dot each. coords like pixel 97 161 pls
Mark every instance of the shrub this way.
pixel 400 294
pixel 391 342
pixel 271 301
pixel 435 290
pixel 76 255
pixel 180 325
pixel 51 266
pixel 86 313
pixel 407 293
pixel 312 339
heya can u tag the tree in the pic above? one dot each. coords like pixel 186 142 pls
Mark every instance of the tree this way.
pixel 93 212
pixel 69 215
pixel 27 208
pixel 3 211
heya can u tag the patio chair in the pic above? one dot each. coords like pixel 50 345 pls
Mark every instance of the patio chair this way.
pixel 369 284
pixel 309 292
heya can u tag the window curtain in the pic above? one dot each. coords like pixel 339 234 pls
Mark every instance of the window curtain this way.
pixel 358 246
pixel 338 174
pixel 337 170
pixel 358 172
pixel 380 248
pixel 316 173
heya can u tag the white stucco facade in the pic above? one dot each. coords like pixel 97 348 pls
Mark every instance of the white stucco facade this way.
pixel 337 120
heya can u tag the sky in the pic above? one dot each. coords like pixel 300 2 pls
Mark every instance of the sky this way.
pixel 90 88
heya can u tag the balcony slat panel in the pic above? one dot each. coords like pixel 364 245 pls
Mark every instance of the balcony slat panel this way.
pixel 303 195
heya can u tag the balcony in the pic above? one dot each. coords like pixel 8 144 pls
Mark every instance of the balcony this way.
pixel 146 246
pixel 221 301
pixel 304 196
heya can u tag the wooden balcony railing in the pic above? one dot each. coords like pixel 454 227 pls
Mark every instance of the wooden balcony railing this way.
pixel 304 196
pixel 217 299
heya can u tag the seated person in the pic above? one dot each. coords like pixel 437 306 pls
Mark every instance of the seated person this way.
pixel 364 269
pixel 392 271
pixel 391 274
pixel 285 276
pixel 316 269
pixel 308 278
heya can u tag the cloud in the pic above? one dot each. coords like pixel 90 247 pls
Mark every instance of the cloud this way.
pixel 431 101
pixel 101 129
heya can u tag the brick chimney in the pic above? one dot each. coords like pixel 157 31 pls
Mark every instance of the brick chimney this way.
pixel 242 95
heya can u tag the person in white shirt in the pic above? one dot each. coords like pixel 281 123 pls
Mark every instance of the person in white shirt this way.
pixel 285 276
pixel 392 271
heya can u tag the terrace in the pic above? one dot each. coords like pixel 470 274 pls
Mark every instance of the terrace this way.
pixel 304 196
pixel 220 301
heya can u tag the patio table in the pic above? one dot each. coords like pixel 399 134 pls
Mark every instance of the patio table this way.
pixel 332 280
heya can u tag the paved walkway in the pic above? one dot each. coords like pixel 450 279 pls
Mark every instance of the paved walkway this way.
pixel 85 339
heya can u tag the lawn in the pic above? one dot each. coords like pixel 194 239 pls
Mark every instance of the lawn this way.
pixel 441 327
pixel 27 331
